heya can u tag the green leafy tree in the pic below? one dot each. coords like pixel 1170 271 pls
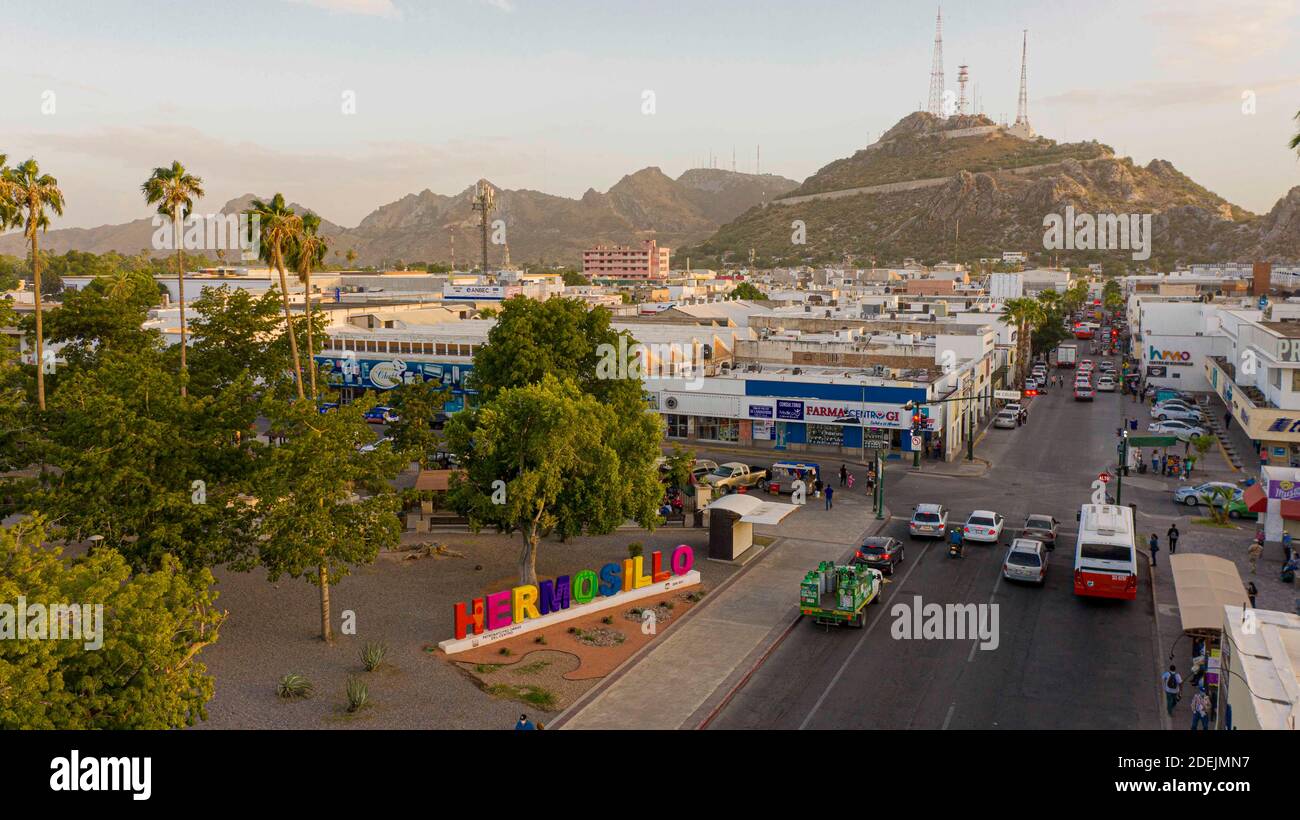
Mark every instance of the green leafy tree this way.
pixel 566 461
pixel 559 337
pixel 174 189
pixel 679 466
pixel 417 407
pixel 126 450
pixel 145 675
pixel 33 196
pixel 15 416
pixel 323 505
pixel 1025 315
pixel 746 290
pixel 1217 501
pixel 105 315
pixel 573 278
pixel 235 331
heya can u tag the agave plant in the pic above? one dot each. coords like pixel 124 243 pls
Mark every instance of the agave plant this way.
pixel 294 686
pixel 373 655
pixel 358 695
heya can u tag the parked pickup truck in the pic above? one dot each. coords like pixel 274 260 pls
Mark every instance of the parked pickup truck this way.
pixel 733 476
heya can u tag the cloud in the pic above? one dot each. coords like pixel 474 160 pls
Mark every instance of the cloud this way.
pixel 1197 30
pixel 503 5
pixel 366 8
pixel 1151 96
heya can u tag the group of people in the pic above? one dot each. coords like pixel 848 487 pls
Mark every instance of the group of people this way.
pixel 846 481
pixel 1202 704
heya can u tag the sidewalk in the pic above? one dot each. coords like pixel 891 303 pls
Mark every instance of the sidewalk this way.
pixel 699 661
pixel 958 467
pixel 1232 544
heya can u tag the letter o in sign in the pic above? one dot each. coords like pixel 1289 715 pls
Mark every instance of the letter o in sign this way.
pixel 683 559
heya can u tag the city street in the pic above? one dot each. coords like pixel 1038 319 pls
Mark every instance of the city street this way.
pixel 1062 661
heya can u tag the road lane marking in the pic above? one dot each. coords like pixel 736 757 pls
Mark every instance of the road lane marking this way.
pixel 952 708
pixel 884 606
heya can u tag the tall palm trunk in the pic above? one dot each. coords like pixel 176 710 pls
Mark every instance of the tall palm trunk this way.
pixel 288 323
pixel 180 285
pixel 40 345
pixel 311 349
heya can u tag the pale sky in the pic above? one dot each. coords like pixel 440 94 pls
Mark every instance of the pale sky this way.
pixel 548 94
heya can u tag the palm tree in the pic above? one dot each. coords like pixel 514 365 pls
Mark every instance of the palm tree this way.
pixel 8 209
pixel 1295 141
pixel 1024 314
pixel 309 252
pixel 174 190
pixel 352 256
pixel 31 193
pixel 280 229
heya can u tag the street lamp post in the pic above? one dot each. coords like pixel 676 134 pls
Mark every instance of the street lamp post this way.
pixel 880 487
pixel 1123 463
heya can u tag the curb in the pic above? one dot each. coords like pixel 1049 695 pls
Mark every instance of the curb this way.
pixel 1165 721
pixel 622 669
pixel 875 527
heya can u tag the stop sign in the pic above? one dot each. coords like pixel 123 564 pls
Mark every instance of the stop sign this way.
pixel 1104 478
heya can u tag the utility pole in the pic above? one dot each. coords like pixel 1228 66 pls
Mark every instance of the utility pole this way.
pixel 1123 465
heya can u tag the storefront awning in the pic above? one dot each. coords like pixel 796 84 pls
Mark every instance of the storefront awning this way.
pixel 1256 498
pixel 1290 510
pixel 1203 585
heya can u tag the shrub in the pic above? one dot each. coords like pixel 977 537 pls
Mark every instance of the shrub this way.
pixel 373 655
pixel 358 694
pixel 635 549
pixel 294 686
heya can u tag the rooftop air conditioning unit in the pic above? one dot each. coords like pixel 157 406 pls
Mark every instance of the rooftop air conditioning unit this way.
pixel 798 371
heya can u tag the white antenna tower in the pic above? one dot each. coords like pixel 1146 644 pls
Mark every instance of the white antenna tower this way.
pixel 962 77
pixel 936 69
pixel 1022 107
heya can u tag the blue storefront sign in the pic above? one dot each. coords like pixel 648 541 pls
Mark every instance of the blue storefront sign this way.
pixel 760 411
pixel 789 410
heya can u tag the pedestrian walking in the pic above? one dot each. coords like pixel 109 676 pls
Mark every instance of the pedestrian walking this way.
pixel 844 475
pixel 524 724
pixel 1251 592
pixel 1172 536
pixel 830 493
pixel 1286 545
pixel 1255 551
pixel 1155 547
pixel 1227 420
pixel 1155 461
pixel 1172 683
pixel 850 481
pixel 1201 709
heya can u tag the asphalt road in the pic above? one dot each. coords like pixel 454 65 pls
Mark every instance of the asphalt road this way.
pixel 1061 661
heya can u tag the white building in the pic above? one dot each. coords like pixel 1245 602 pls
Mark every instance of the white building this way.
pixel 1260 684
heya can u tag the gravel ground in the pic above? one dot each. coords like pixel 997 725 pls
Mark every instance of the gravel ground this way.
pixel 274 629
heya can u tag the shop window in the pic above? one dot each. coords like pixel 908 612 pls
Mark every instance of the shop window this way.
pixel 826 435
pixel 717 429
pixel 441 349
pixel 1295 381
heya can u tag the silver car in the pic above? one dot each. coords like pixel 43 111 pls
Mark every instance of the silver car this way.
pixel 1026 561
pixel 1006 419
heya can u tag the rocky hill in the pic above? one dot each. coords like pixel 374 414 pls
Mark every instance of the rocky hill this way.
pixel 962 189
pixel 539 227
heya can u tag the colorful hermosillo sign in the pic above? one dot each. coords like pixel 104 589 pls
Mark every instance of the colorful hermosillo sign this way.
pixel 530 601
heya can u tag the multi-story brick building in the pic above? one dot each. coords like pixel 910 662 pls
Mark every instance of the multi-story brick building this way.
pixel 626 262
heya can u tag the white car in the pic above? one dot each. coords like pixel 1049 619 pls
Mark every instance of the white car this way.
pixel 984 526
pixel 1106 384
pixel 928 521
pixel 1006 419
pixel 1171 411
pixel 1026 561
pixel 1180 430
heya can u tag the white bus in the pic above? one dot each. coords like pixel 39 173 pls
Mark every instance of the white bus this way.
pixel 1105 555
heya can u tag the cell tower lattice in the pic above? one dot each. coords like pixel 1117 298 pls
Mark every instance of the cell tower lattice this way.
pixel 1022 106
pixel 936 69
pixel 962 77
pixel 485 202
